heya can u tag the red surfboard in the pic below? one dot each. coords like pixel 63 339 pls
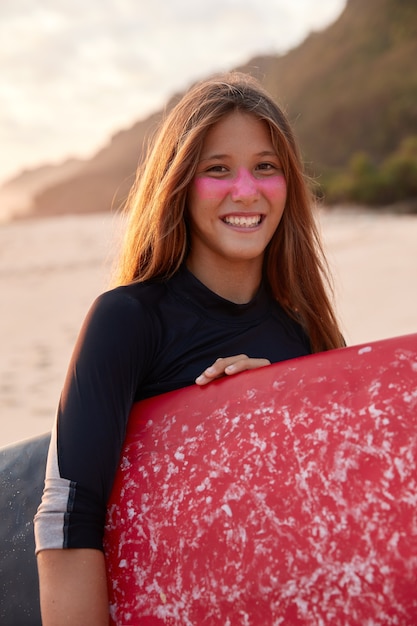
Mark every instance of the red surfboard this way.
pixel 285 495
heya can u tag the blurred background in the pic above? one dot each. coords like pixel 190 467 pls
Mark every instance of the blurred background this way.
pixel 82 85
pixel 75 73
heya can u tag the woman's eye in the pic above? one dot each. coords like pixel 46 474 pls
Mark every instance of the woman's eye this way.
pixel 217 169
pixel 267 167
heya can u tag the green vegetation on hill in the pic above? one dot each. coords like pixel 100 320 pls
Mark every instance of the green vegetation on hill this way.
pixel 393 181
pixel 351 93
pixel 359 88
pixel 352 90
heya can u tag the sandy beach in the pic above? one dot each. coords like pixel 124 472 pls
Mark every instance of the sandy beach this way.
pixel 52 269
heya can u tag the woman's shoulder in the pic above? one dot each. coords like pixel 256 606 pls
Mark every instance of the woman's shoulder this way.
pixel 134 295
pixel 125 306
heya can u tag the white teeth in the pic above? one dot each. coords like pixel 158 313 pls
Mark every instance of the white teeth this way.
pixel 246 222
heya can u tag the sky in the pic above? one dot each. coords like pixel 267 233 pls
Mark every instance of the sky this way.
pixel 72 72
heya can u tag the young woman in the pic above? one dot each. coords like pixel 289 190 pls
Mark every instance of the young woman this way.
pixel 221 271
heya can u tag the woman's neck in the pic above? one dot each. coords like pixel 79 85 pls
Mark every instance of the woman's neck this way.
pixel 237 283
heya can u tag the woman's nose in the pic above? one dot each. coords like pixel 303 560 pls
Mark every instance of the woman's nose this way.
pixel 244 188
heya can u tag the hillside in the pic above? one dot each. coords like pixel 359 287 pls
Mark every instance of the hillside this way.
pixel 349 88
pixel 353 87
pixel 16 195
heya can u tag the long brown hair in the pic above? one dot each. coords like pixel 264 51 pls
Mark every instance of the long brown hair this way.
pixel 156 241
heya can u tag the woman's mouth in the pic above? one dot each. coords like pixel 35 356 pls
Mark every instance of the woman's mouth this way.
pixel 243 221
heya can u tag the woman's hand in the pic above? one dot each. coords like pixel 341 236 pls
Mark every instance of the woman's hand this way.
pixel 228 366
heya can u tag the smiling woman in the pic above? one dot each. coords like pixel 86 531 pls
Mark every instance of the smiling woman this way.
pixel 221 272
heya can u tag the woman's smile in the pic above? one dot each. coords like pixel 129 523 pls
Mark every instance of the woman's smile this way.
pixel 243 221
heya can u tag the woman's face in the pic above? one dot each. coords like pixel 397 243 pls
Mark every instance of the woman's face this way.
pixel 237 196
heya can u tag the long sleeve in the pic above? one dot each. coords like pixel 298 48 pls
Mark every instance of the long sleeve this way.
pixel 108 363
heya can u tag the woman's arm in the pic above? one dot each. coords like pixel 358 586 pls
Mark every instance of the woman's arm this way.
pixel 73 588
pixel 105 369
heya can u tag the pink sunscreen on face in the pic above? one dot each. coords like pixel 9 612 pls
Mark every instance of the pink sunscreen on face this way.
pixel 244 185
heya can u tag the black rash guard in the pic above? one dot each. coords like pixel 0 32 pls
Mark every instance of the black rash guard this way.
pixel 139 341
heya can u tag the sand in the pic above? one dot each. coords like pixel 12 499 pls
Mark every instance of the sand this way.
pixel 52 269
